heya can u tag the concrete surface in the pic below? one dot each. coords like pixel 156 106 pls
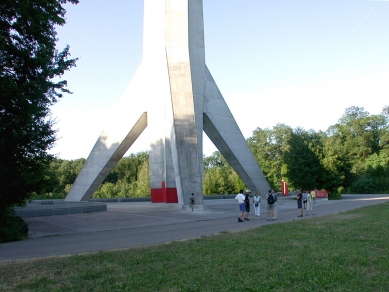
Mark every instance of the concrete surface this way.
pixel 133 224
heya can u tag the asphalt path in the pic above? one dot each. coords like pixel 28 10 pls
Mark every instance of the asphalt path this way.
pixel 133 224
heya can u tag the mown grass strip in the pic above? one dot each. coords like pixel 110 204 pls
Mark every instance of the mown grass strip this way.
pixel 341 252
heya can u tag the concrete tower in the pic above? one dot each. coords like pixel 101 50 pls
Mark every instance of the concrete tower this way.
pixel 173 93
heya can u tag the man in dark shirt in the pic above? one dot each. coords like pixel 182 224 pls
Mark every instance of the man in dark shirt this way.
pixel 300 202
pixel 247 204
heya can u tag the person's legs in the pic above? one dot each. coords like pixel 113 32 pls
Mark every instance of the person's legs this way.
pixel 300 207
pixel 242 210
pixel 268 212
pixel 309 208
pixel 246 216
pixel 274 211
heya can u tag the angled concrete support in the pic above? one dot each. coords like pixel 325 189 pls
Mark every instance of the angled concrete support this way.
pixel 103 158
pixel 174 86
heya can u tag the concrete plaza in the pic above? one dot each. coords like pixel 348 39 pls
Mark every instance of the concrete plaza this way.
pixel 133 224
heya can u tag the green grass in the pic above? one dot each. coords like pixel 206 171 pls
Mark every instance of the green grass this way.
pixel 342 252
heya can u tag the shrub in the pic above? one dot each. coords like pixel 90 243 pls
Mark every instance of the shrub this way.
pixel 12 227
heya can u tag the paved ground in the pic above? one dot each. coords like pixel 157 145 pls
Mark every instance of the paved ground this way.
pixel 133 224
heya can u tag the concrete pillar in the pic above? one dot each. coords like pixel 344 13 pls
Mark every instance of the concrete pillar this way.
pixel 175 88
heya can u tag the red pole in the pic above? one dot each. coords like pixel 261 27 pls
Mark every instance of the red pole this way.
pixel 284 187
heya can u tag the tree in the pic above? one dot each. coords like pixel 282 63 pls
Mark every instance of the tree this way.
pixel 269 147
pixel 304 168
pixel 354 146
pixel 219 176
pixel 60 177
pixel 30 67
pixel 128 168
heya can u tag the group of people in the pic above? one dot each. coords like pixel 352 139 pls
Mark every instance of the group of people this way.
pixel 305 200
pixel 245 202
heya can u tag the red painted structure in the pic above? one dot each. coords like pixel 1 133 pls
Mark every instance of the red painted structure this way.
pixel 164 195
pixel 284 188
pixel 322 194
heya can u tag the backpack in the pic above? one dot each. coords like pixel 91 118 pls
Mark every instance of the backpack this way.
pixel 270 199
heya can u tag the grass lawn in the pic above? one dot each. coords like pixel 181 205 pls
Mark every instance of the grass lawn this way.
pixel 342 252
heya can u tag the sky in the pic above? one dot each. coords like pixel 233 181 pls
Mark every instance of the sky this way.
pixel 296 62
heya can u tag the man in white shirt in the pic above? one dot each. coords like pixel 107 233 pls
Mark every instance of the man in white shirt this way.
pixel 240 198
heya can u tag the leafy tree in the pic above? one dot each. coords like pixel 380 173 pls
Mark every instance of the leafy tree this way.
pixel 29 69
pixel 128 167
pixel 384 136
pixel 351 142
pixel 219 176
pixel 129 178
pixel 269 147
pixel 60 177
pixel 303 165
pixel 360 133
pixel 143 181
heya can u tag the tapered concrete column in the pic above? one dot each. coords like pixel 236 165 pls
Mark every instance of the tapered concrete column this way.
pixel 175 88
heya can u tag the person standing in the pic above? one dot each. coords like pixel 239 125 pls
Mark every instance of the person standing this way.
pixel 240 198
pixel 270 205
pixel 309 205
pixel 300 202
pixel 257 205
pixel 313 195
pixel 247 205
pixel 274 205
pixel 305 199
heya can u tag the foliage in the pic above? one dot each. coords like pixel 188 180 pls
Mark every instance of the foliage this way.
pixel 328 160
pixel 340 252
pixel 30 68
pixel 358 145
pixel 61 175
pixel 269 147
pixel 304 169
pixel 128 168
pixel 129 178
pixel 219 176
pixel 12 227
pixel 139 187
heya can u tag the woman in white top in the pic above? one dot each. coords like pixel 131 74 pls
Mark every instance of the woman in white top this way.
pixel 257 206
pixel 309 205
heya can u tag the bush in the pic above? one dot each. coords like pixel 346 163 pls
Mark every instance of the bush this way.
pixel 334 196
pixel 364 185
pixel 12 227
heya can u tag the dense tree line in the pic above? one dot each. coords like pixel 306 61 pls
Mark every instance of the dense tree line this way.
pixel 352 156
pixel 129 178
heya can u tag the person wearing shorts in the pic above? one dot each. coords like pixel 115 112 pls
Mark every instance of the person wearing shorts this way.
pixel 240 198
pixel 270 207
pixel 305 194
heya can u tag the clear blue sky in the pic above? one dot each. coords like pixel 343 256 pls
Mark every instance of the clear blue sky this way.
pixel 301 63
